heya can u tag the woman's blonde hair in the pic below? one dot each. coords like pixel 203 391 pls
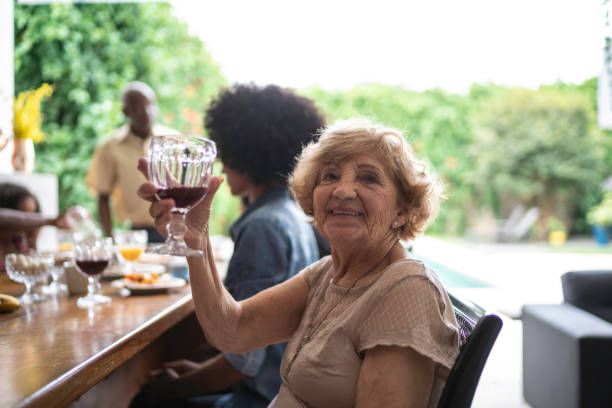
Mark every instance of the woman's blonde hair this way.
pixel 418 191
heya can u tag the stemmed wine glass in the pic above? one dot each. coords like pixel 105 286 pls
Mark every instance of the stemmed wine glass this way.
pixel 92 257
pixel 180 166
pixel 64 252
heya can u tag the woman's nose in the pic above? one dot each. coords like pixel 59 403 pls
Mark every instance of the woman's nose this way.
pixel 344 190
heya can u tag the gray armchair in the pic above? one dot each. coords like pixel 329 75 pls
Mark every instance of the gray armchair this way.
pixel 567 348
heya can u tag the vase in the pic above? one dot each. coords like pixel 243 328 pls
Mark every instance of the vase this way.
pixel 23 155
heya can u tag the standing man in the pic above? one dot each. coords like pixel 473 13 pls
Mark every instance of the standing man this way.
pixel 113 171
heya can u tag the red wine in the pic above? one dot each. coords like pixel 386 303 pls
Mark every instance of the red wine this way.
pixel 183 196
pixel 91 267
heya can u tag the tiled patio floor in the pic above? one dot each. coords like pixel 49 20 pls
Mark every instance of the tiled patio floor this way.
pixel 519 274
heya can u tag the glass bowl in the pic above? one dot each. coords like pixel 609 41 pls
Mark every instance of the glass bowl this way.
pixel 29 269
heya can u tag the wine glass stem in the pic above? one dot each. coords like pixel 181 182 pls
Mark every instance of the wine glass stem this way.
pixel 55 276
pixel 29 291
pixel 91 287
pixel 176 228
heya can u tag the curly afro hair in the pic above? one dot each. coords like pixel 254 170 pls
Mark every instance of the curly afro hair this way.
pixel 260 130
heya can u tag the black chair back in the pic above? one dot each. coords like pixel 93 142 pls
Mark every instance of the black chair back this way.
pixel 478 332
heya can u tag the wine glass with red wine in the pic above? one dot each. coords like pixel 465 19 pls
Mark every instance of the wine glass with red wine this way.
pixel 92 256
pixel 181 167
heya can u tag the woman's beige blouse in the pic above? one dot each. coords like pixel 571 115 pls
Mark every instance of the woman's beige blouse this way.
pixel 405 306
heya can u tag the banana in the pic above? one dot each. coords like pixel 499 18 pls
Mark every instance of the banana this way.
pixel 8 303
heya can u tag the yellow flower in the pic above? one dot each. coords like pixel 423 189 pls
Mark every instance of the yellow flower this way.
pixel 27 119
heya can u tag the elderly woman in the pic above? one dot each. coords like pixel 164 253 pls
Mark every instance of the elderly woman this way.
pixel 368 325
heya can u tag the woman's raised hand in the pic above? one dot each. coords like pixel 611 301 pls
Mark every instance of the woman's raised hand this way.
pixel 198 217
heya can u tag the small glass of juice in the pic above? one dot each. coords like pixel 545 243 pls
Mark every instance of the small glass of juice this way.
pixel 65 241
pixel 130 244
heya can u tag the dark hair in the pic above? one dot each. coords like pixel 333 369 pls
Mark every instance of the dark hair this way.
pixel 260 130
pixel 12 194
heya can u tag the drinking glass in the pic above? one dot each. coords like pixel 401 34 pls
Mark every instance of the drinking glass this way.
pixel 92 257
pixel 131 244
pixel 29 269
pixel 57 287
pixel 180 166
pixel 65 241
pixel 65 246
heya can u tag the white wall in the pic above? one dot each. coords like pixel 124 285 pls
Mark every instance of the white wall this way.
pixel 7 78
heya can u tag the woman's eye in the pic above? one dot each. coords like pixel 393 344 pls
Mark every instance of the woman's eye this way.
pixel 328 177
pixel 370 178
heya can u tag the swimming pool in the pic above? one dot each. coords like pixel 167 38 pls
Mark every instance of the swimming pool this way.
pixel 452 278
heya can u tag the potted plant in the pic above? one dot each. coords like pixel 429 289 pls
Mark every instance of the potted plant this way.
pixel 600 217
pixel 557 231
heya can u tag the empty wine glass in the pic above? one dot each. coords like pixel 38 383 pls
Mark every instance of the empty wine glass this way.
pixel 65 245
pixel 92 257
pixel 180 166
pixel 29 269
pixel 57 287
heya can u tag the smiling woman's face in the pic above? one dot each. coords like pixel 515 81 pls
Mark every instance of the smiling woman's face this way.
pixel 355 201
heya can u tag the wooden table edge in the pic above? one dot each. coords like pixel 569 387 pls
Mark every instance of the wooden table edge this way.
pixel 71 385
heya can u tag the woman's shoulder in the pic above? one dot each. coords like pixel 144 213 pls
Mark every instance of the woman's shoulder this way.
pixel 407 273
pixel 406 268
pixel 408 307
pixel 315 273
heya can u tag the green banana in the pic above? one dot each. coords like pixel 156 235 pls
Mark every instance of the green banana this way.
pixel 8 303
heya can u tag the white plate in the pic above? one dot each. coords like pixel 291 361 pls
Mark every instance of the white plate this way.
pixel 113 272
pixel 148 268
pixel 119 271
pixel 165 282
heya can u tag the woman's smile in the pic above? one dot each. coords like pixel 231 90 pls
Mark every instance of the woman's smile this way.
pixel 341 211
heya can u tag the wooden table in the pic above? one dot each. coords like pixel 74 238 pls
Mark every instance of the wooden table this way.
pixel 51 353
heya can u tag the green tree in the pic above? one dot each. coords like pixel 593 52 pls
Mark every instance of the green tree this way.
pixel 88 52
pixel 539 148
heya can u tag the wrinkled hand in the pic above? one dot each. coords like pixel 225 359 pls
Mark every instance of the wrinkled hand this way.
pixel 165 381
pixel 197 218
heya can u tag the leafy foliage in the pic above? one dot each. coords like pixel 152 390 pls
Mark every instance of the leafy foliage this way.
pixel 539 147
pixel 493 147
pixel 88 52
pixel 601 214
